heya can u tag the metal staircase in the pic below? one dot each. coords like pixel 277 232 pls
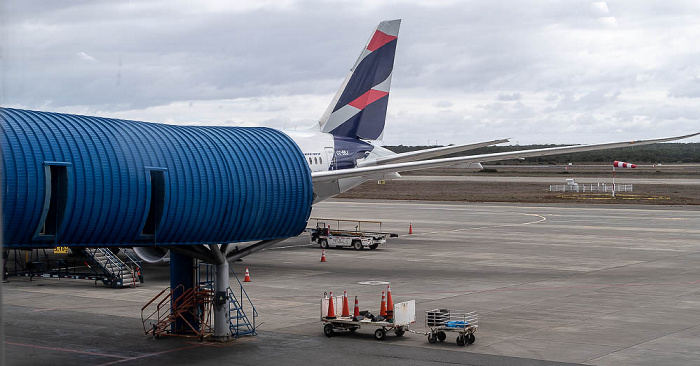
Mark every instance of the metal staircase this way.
pixel 240 323
pixel 113 270
pixel 192 307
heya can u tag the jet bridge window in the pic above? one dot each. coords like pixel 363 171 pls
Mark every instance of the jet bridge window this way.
pixel 55 200
pixel 157 203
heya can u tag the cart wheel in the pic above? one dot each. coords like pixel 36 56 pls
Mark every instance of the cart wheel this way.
pixel 352 329
pixel 357 244
pixel 460 340
pixel 441 336
pixel 379 334
pixel 399 332
pixel 328 330
pixel 471 338
pixel 323 243
pixel 432 338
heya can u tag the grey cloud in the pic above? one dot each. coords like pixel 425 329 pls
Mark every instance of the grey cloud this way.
pixel 587 102
pixel 504 97
pixel 152 53
pixel 443 104
pixel 689 89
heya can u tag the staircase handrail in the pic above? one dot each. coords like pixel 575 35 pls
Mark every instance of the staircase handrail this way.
pixel 113 260
pixel 132 258
pixel 240 313
pixel 208 275
pixel 244 292
pixel 158 307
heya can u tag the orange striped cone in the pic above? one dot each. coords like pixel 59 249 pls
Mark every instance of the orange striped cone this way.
pixel 410 228
pixel 331 308
pixel 389 304
pixel 247 276
pixel 323 255
pixel 382 308
pixel 346 308
pixel 356 312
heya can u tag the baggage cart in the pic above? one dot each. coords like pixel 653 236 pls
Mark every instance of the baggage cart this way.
pixel 441 321
pixel 348 234
pixel 404 315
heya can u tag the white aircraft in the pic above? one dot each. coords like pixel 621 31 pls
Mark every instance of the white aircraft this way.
pixel 341 149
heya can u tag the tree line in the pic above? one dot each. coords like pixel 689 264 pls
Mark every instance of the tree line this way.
pixel 666 153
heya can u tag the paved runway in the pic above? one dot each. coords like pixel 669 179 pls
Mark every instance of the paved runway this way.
pixel 584 284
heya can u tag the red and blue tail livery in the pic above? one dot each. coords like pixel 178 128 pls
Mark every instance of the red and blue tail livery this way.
pixel 358 110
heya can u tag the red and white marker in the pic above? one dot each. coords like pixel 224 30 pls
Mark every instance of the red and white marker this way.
pixel 622 164
pixel 619 164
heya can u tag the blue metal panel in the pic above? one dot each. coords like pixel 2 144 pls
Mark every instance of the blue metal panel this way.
pixel 223 184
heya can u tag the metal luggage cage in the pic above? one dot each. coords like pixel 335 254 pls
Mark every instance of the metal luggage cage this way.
pixel 465 323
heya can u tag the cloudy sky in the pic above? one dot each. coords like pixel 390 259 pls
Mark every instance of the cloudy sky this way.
pixel 536 71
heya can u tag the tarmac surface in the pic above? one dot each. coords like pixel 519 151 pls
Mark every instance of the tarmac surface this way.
pixel 581 284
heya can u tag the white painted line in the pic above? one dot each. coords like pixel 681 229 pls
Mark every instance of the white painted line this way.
pixel 290 246
pixel 541 219
pixel 374 283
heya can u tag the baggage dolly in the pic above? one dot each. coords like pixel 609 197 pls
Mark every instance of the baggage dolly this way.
pixel 446 320
pixel 404 315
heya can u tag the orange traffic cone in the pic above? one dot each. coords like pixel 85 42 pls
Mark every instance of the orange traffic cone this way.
pixel 410 228
pixel 356 312
pixel 247 276
pixel 389 304
pixel 346 308
pixel 382 308
pixel 331 308
pixel 323 255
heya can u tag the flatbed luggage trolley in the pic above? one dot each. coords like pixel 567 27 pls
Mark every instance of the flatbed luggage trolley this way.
pixel 446 320
pixel 404 315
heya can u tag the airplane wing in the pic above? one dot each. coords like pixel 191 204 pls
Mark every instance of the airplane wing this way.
pixel 329 176
pixel 427 153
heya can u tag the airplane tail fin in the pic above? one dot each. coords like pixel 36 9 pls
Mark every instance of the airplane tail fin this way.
pixel 358 109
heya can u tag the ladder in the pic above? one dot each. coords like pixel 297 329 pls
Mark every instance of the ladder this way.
pixel 116 273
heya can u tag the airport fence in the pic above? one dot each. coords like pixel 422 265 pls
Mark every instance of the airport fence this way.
pixel 590 187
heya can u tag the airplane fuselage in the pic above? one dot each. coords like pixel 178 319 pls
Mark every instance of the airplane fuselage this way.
pixel 324 152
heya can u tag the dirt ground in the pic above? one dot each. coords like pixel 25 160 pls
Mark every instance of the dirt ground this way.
pixel 646 194
pixel 588 170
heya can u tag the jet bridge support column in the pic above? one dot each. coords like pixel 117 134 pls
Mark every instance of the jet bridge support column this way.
pixel 222 332
pixel 182 273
